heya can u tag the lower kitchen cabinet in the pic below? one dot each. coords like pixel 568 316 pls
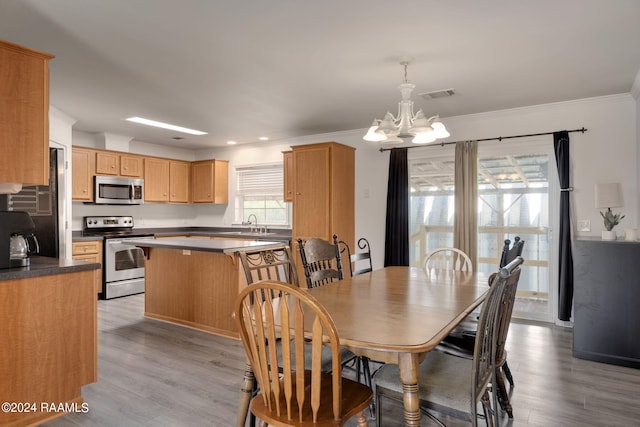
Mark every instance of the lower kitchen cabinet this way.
pixel 48 326
pixel 91 251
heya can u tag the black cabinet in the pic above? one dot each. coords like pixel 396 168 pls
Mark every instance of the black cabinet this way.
pixel 607 301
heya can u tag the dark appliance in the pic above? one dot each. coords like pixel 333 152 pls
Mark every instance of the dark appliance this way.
pixel 123 263
pixel 14 227
pixel 45 205
pixel 114 190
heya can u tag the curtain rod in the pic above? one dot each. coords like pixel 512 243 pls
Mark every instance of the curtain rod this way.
pixel 499 138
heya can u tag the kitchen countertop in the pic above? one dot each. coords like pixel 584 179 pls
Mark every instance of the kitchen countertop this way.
pixel 225 246
pixel 45 266
pixel 279 235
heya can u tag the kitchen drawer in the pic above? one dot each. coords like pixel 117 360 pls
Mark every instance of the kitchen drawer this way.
pixel 86 247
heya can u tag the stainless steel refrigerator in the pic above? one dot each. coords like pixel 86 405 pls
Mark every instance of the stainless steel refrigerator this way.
pixel 45 205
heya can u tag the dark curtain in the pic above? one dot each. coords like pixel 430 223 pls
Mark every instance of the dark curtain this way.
pixel 396 244
pixel 565 279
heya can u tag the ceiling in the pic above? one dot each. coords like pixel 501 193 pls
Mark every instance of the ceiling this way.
pixel 287 68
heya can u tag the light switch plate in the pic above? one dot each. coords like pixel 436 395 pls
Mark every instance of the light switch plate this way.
pixel 584 225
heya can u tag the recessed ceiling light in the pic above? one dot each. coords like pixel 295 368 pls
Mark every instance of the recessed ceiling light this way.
pixel 164 125
pixel 231 142
pixel 264 138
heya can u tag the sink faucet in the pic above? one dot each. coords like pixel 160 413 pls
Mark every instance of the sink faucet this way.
pixel 254 224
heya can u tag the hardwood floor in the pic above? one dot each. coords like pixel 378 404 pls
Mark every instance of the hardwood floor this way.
pixel 152 373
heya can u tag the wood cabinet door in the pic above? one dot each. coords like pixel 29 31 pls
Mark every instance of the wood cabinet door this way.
pixel 107 163
pixel 221 182
pixel 288 175
pixel 179 174
pixel 202 182
pixel 312 192
pixel 24 109
pixel 131 166
pixel 82 174
pixel 156 180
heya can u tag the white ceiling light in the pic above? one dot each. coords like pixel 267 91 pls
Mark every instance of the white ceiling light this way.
pixel 407 124
pixel 165 126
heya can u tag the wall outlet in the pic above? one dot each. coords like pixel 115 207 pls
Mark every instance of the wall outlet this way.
pixel 584 225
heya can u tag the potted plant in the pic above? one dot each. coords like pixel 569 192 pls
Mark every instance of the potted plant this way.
pixel 610 221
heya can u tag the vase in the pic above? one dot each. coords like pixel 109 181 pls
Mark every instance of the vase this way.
pixel 608 235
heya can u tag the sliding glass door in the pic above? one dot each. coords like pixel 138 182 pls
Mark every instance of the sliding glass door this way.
pixel 514 190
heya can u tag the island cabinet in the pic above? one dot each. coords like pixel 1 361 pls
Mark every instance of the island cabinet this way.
pixel 48 326
pixel 24 109
pixel 195 282
pixel 606 300
pixel 83 166
pixel 324 190
pixel 210 181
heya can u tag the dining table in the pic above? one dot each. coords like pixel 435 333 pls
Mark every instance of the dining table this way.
pixel 395 315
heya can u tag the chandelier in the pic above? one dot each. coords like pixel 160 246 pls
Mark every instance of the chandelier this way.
pixel 406 125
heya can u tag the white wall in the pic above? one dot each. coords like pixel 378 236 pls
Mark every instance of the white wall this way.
pixel 607 152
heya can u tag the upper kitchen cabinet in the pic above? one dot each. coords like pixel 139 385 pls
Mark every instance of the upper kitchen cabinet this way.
pixel 24 108
pixel 119 164
pixel 156 180
pixel 210 181
pixel 323 193
pixel 83 166
pixel 131 165
pixel 179 175
pixel 288 175
pixel 107 163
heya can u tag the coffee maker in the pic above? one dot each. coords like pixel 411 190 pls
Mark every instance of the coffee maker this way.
pixel 17 241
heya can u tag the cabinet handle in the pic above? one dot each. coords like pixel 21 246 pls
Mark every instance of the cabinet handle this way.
pixel 298 194
pixel 113 166
pixel 84 191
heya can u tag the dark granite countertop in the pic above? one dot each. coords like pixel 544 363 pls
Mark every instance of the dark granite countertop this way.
pixel 279 235
pixel 45 266
pixel 225 246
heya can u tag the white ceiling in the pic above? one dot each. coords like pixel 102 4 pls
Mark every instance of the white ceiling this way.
pixel 284 68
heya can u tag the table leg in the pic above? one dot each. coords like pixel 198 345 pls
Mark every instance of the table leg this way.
pixel 408 365
pixel 246 390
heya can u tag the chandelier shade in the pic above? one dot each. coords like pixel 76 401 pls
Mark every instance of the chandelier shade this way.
pixel 392 129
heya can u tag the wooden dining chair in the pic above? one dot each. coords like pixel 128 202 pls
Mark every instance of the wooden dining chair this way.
pixel 448 259
pixel 269 264
pixel 462 343
pixel 359 262
pixel 321 260
pixel 454 385
pixel 277 264
pixel 300 393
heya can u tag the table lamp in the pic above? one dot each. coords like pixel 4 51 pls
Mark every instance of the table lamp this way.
pixel 609 196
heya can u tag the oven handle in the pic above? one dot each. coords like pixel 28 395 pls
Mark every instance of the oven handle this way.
pixel 119 245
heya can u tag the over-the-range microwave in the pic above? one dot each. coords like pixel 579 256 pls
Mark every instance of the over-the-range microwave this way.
pixel 114 190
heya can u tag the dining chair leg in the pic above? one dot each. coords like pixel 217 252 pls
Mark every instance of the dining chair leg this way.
pixel 507 373
pixel 246 392
pixel 503 394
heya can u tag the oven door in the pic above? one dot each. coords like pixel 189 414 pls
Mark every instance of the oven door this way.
pixel 123 261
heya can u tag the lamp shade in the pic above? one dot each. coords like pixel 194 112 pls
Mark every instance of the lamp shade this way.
pixel 608 195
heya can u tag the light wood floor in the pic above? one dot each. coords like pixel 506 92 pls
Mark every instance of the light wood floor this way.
pixel 156 374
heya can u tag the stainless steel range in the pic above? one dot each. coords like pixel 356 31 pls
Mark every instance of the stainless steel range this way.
pixel 123 263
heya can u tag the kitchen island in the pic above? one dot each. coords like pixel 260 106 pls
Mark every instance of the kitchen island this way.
pixel 194 282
